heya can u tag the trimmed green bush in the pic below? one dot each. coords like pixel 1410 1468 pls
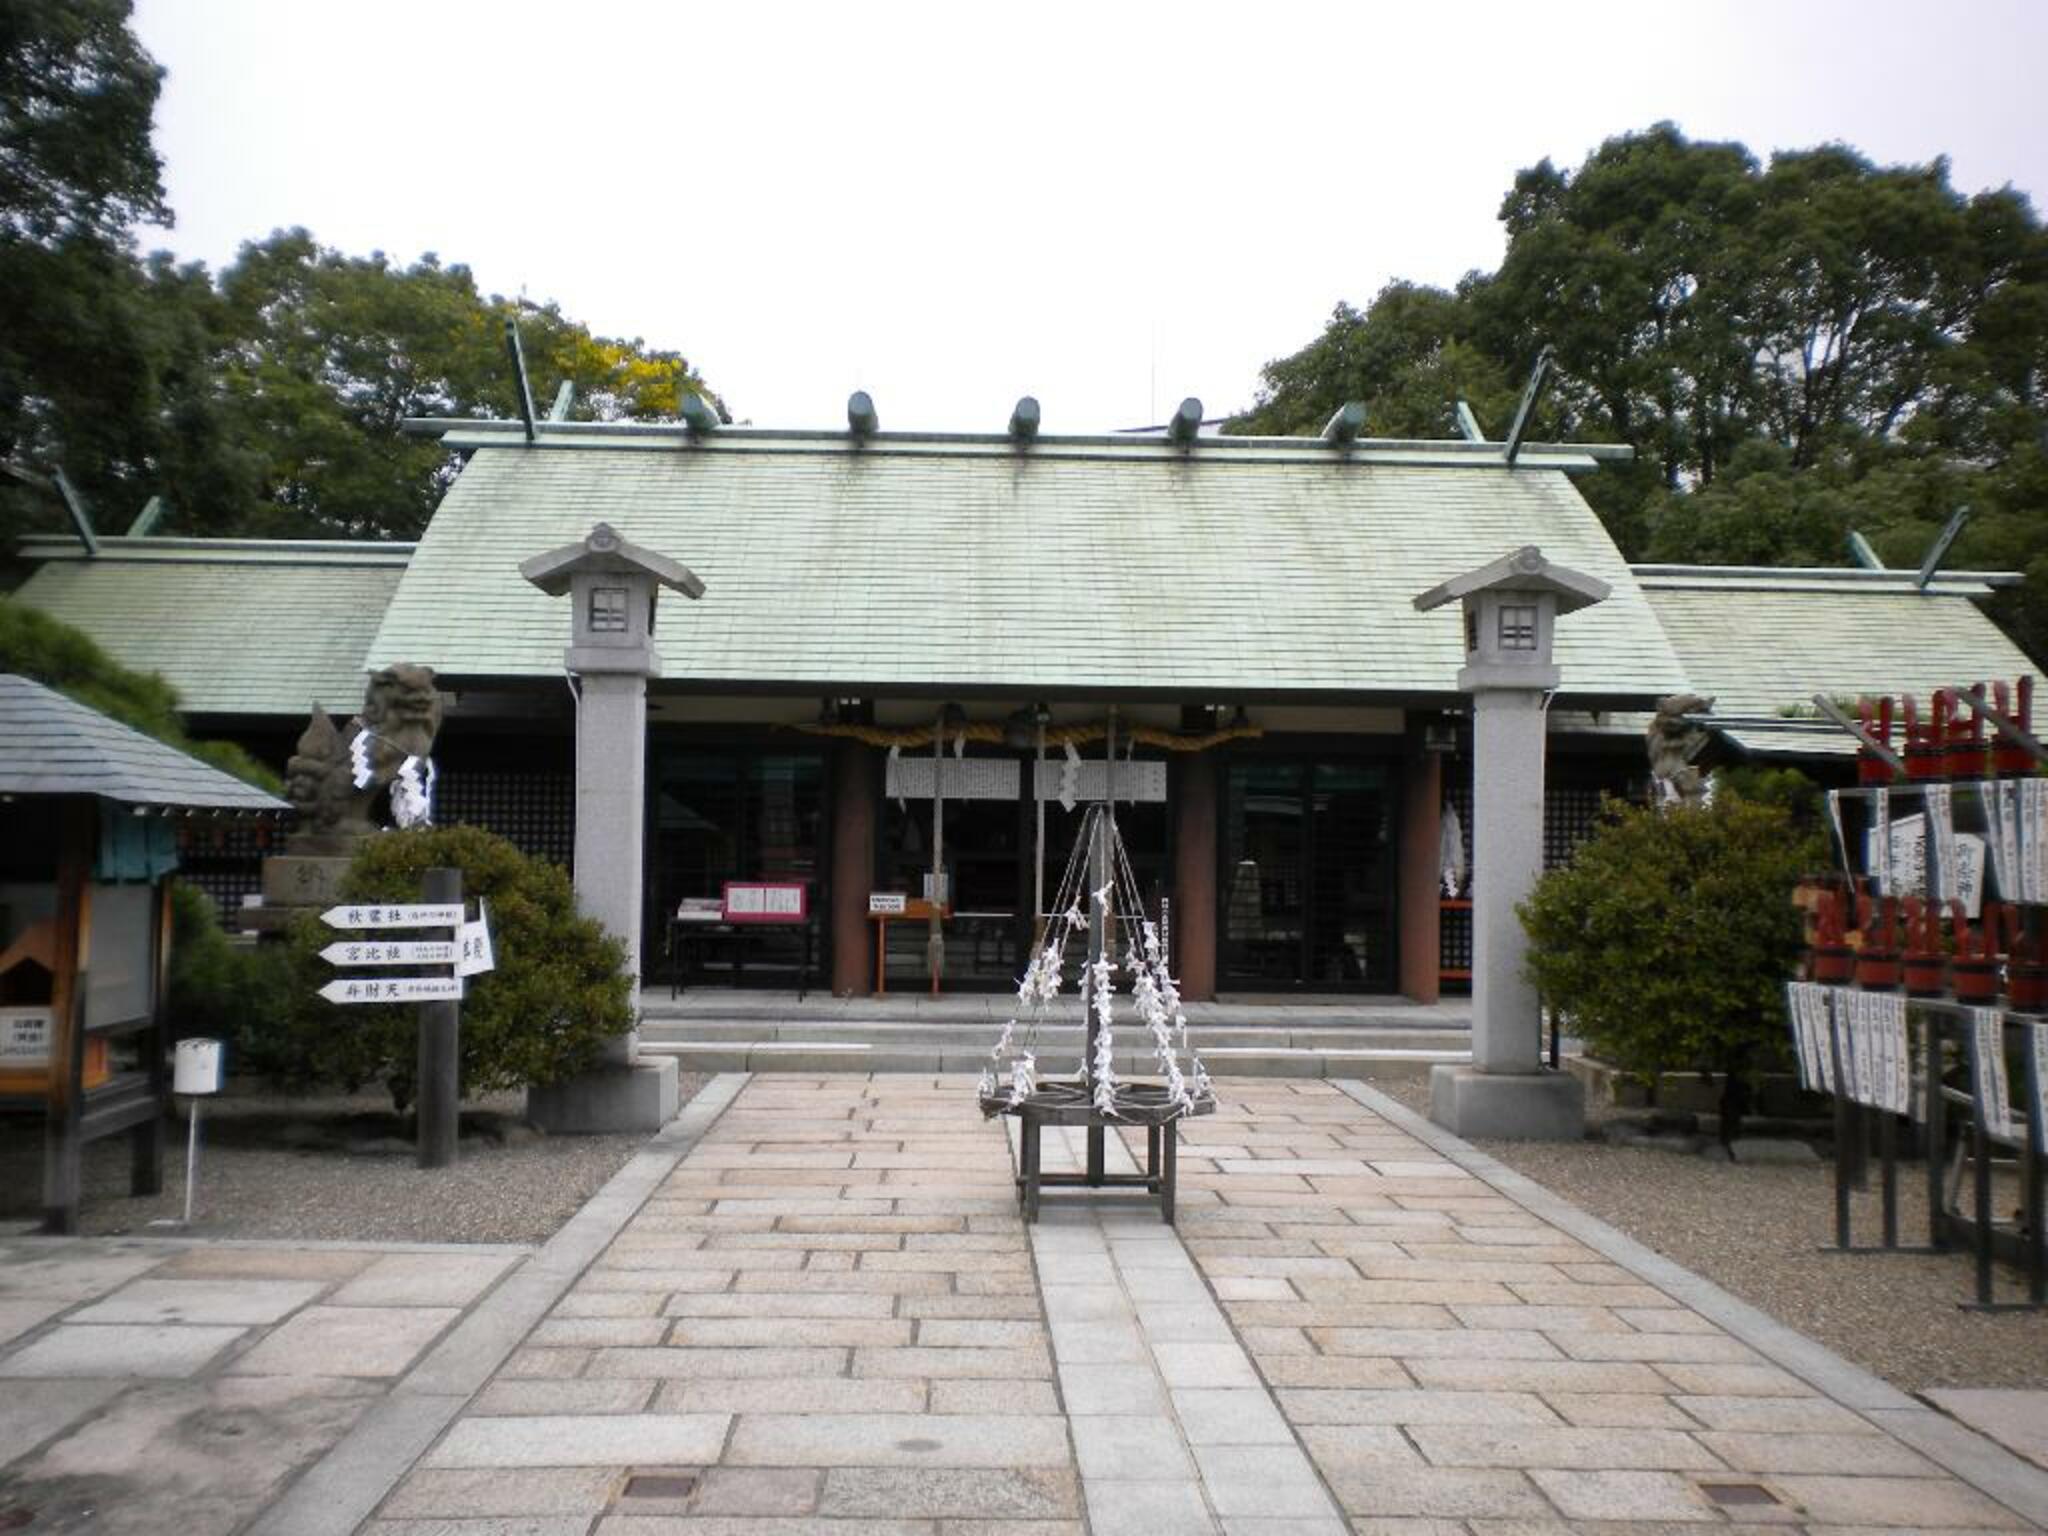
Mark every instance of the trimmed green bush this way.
pixel 559 991
pixel 226 991
pixel 1670 936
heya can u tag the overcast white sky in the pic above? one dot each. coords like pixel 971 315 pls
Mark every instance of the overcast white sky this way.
pixel 1107 205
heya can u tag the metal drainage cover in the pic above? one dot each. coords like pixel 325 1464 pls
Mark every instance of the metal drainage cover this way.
pixel 1739 1493
pixel 660 1485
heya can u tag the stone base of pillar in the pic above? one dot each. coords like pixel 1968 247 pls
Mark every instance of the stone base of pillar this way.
pixel 1507 1106
pixel 642 1097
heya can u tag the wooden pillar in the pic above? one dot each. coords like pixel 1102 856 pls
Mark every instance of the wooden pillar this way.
pixel 1421 865
pixel 77 834
pixel 856 785
pixel 146 1141
pixel 1194 875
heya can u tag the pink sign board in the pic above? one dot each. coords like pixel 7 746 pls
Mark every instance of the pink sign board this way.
pixel 767 901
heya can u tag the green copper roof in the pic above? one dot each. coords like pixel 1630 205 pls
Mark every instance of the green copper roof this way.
pixel 1760 642
pixel 238 627
pixel 962 565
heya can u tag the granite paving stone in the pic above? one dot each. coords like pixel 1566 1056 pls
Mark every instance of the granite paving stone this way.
pixel 1129 1446
pixel 34 1411
pixel 667 1361
pixel 758 1491
pixel 1911 1503
pixel 1262 1480
pixel 1153 1508
pixel 980 1494
pixel 582 1440
pixel 238 1262
pixel 346 1341
pixel 1306 1406
pixel 201 1301
pixel 18 1317
pixel 888 1440
pixel 1230 1416
pixel 456 1492
pixel 505 1396
pixel 1625 1495
pixel 423 1280
pixel 801 1394
pixel 117 1349
pixel 830 1315
pixel 1126 1388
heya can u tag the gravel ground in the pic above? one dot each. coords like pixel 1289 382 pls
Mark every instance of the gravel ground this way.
pixel 338 1169
pixel 1760 1233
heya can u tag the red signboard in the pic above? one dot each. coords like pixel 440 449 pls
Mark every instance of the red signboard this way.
pixel 767 901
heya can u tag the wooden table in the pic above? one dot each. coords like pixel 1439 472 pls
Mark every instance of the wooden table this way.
pixel 914 910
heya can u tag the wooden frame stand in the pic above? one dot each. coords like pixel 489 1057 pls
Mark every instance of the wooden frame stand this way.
pixel 1162 1159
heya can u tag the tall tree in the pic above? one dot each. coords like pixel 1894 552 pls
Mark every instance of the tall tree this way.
pixel 1792 349
pixel 1410 356
pixel 323 356
pixel 80 359
pixel 77 92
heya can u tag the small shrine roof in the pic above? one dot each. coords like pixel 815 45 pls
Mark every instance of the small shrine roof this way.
pixel 52 745
pixel 1763 642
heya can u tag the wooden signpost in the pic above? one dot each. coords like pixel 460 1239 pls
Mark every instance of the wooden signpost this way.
pixel 466 951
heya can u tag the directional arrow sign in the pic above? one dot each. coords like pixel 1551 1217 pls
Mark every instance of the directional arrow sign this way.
pixel 395 989
pixel 372 915
pixel 390 952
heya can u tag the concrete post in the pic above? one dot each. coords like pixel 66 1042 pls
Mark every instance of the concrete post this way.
pixel 611 794
pixel 612 587
pixel 1507 859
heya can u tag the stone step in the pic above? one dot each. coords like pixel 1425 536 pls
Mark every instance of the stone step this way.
pixel 860 1056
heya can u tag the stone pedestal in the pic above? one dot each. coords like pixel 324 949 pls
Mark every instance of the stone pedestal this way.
pixel 640 1097
pixel 1507 1106
pixel 294 883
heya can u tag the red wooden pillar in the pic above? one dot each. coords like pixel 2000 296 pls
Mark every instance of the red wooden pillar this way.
pixel 1194 876
pixel 855 789
pixel 1416 880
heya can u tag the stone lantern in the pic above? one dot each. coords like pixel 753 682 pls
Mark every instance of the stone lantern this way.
pixel 1511 607
pixel 612 586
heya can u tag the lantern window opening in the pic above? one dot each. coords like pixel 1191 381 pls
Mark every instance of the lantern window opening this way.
pixel 607 610
pixel 1518 626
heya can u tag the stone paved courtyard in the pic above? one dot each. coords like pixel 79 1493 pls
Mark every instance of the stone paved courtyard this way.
pixel 813 1307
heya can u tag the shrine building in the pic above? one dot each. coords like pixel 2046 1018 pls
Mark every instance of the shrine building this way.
pixel 1236 614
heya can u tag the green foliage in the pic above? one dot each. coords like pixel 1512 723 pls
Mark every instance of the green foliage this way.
pixel 559 992
pixel 1409 357
pixel 1793 350
pixel 1790 790
pixel 326 355
pixel 269 402
pixel 36 646
pixel 223 990
pixel 76 95
pixel 1669 937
